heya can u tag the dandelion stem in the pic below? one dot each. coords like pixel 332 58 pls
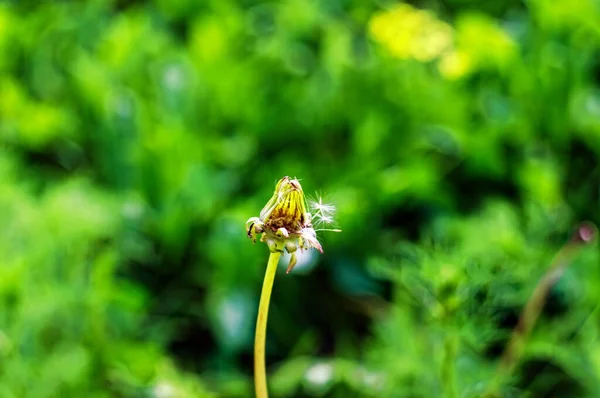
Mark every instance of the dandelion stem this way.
pixel 260 372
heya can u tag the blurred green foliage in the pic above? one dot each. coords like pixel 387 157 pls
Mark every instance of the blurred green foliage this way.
pixel 458 139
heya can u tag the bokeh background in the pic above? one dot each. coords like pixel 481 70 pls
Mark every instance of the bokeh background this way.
pixel 458 139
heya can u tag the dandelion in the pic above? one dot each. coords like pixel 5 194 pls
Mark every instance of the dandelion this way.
pixel 284 224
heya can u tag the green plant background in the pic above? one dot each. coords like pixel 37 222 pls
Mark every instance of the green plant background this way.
pixel 136 138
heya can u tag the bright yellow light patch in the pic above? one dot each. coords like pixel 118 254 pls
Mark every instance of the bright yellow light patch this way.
pixel 409 33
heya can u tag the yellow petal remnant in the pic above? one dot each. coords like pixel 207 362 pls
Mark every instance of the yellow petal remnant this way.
pixel 285 223
pixel 287 206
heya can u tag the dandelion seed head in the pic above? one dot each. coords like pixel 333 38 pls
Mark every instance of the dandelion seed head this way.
pixel 322 213
pixel 327 219
pixel 325 209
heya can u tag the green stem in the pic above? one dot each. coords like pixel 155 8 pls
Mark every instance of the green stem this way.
pixel 584 234
pixel 448 376
pixel 260 372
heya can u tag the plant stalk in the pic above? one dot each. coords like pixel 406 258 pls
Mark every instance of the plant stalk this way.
pixel 448 365
pixel 260 371
pixel 584 234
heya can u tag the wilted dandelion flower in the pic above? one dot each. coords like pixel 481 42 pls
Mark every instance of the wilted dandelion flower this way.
pixel 285 223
